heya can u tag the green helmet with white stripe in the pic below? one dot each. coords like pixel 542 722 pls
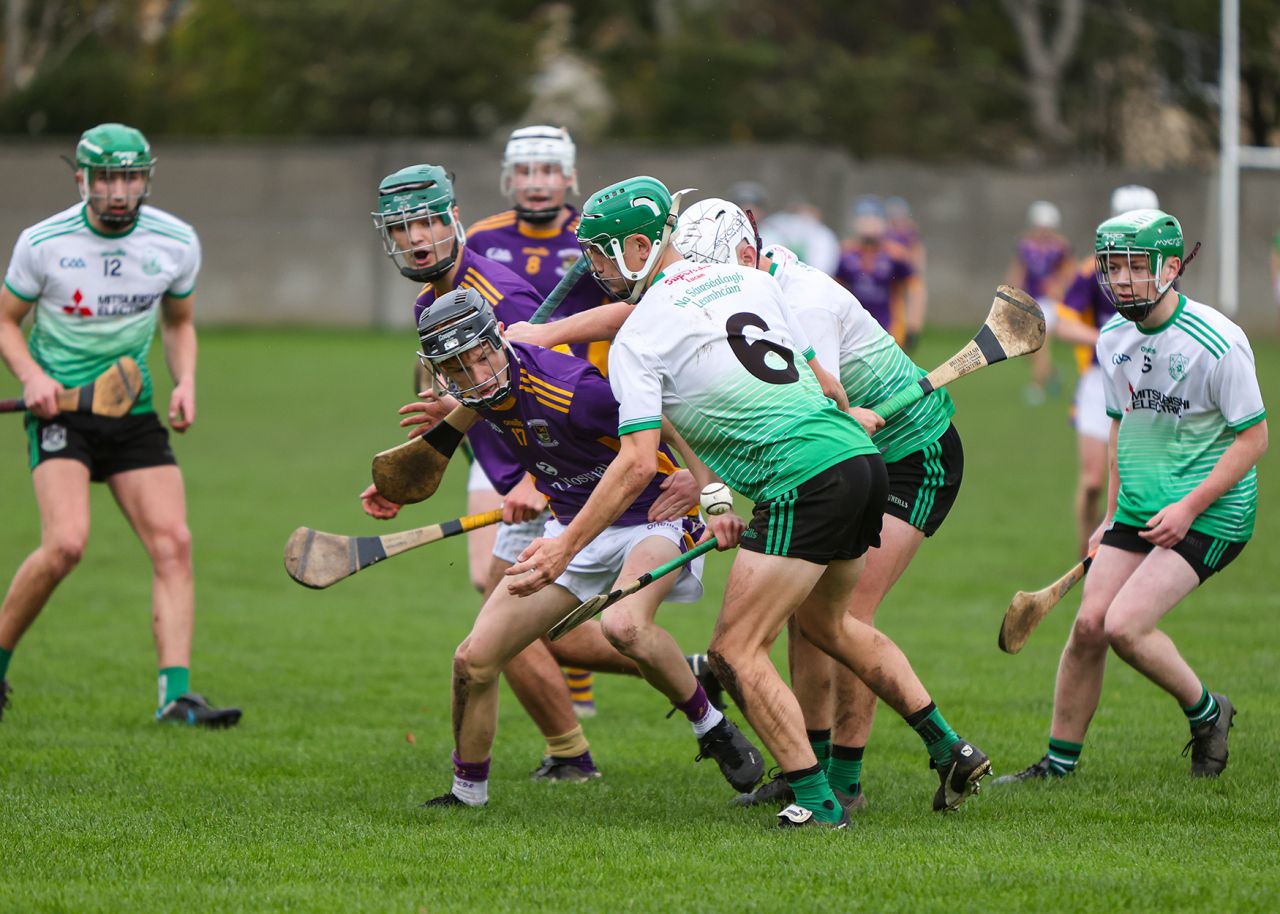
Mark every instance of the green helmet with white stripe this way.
pixel 114 166
pixel 1132 251
pixel 637 206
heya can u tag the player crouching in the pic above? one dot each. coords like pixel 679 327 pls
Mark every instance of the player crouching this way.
pixel 559 418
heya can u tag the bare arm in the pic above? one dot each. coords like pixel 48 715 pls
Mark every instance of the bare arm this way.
pixel 38 389
pixel 914 305
pixel 178 332
pixel 1074 331
pixel 599 323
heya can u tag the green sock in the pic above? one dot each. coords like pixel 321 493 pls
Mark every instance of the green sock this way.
pixel 5 657
pixel 174 682
pixel 820 740
pixel 937 734
pixel 1204 711
pixel 845 773
pixel 1063 756
pixel 814 793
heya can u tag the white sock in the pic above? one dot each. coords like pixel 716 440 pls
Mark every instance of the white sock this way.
pixel 473 793
pixel 709 720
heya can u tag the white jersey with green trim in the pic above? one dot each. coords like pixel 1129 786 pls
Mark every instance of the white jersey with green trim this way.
pixel 97 296
pixel 871 365
pixel 1181 392
pixel 715 349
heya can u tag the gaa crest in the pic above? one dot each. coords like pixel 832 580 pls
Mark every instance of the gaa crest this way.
pixel 1177 366
pixel 542 432
pixel 53 438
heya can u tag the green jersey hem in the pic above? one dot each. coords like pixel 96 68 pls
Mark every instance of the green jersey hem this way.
pixel 809 354
pixel 1248 422
pixel 33 298
pixel 186 294
pixel 795 481
pixel 639 425
pixel 1114 415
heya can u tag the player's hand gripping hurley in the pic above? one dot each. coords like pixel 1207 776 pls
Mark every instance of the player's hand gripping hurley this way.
pixel 1027 609
pixel 411 472
pixel 316 559
pixel 111 394
pixel 1014 327
pixel 601 601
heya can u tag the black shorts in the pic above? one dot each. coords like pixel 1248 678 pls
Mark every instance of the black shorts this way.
pixel 923 485
pixel 1206 555
pixel 833 516
pixel 105 446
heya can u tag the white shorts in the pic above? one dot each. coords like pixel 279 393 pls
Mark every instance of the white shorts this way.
pixel 1050 311
pixel 513 539
pixel 1090 406
pixel 596 568
pixel 476 480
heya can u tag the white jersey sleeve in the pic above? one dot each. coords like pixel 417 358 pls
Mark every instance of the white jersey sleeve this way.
pixel 184 283
pixel 1115 401
pixel 1233 387
pixel 635 375
pixel 25 276
pixel 823 328
pixel 797 329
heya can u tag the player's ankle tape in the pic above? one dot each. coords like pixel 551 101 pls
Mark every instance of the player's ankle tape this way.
pixel 567 745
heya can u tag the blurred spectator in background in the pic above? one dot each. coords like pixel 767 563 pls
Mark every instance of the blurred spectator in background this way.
pixel 880 274
pixel 903 230
pixel 798 227
pixel 1275 266
pixel 1043 267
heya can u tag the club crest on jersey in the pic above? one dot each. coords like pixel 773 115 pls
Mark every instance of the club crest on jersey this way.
pixel 1177 366
pixel 151 263
pixel 542 432
pixel 53 438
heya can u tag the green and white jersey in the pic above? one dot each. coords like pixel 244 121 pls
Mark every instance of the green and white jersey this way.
pixel 715 349
pixel 1181 392
pixel 851 343
pixel 97 296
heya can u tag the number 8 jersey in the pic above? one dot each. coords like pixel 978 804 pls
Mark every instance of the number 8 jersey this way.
pixel 715 349
pixel 98 295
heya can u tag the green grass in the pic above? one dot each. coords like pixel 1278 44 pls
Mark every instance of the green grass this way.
pixel 310 804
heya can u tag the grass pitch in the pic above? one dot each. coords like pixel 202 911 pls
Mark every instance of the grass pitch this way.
pixel 310 805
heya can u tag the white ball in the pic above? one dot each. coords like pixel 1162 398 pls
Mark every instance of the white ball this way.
pixel 716 498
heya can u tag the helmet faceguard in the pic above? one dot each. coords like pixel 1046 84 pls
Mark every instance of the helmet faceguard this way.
pixel 532 157
pixel 115 166
pixel 417 217
pixel 637 206
pixel 1132 250
pixel 712 230
pixel 463 350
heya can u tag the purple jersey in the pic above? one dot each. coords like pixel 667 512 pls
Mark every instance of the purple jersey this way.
pixel 513 300
pixel 543 257
pixel 562 424
pixel 1040 257
pixel 1085 297
pixel 870 276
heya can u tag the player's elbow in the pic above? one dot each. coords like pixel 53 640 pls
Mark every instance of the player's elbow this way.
pixel 639 471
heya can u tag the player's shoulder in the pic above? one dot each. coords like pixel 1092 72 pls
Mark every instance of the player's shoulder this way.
pixel 68 221
pixel 1113 331
pixel 155 221
pixel 485 271
pixel 563 371
pixel 503 220
pixel 1210 328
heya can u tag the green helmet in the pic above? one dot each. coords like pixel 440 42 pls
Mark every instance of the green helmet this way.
pixel 636 206
pixel 419 194
pixel 1142 239
pixel 108 150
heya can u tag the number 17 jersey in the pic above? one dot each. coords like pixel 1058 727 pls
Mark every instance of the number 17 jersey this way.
pixel 715 349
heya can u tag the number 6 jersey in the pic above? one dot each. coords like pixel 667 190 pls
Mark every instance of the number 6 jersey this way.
pixel 715 349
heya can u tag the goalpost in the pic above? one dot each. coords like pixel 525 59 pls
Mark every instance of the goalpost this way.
pixel 1232 158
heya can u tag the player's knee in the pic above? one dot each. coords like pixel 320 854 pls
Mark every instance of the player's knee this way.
pixel 1088 633
pixel 621 629
pixel 472 665
pixel 171 547
pixel 1122 635
pixel 63 551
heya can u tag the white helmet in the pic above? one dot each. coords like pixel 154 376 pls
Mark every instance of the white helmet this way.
pixel 529 145
pixel 711 230
pixel 1133 196
pixel 1043 214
